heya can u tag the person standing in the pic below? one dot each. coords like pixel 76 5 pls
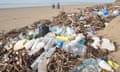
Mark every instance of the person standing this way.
pixel 53 6
pixel 58 5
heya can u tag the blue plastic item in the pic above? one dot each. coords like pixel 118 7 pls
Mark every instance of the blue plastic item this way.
pixel 59 43
pixel 82 42
pixel 105 11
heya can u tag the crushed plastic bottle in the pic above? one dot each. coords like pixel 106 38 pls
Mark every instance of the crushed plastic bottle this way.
pixel 96 42
pixel 43 57
pixel 75 49
pixel 88 65
pixel 107 44
pixel 56 29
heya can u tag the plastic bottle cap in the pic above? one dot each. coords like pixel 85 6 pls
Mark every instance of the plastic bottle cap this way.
pixel 102 59
pixel 59 44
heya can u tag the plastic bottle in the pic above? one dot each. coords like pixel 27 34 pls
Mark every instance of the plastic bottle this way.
pixel 56 29
pixel 35 36
pixel 50 52
pixel 113 64
pixel 35 44
pixel 34 65
pixel 75 49
pixel 115 12
pixel 29 44
pixel 64 38
pixel 105 11
pixel 21 36
pixel 42 66
pixel 19 44
pixel 88 65
pixel 79 50
pixel 103 64
pixel 49 44
pixel 37 48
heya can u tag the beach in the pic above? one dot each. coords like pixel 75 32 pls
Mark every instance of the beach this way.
pixel 15 18
pixel 11 18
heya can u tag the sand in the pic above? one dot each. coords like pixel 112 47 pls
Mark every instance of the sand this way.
pixel 19 17
pixel 113 32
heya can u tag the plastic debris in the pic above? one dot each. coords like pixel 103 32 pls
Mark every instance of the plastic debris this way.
pixel 67 43
pixel 107 44
pixel 19 44
pixel 113 64
pixel 103 64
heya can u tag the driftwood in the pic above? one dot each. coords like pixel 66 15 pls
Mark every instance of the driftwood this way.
pixel 60 61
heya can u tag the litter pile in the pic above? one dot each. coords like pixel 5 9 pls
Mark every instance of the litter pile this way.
pixel 67 43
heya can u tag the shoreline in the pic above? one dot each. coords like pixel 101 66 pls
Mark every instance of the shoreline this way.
pixel 48 6
pixel 66 4
pixel 12 18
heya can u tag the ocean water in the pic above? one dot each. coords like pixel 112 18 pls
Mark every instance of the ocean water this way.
pixel 33 3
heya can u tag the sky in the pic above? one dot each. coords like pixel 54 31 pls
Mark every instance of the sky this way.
pixel 31 3
pixel 51 1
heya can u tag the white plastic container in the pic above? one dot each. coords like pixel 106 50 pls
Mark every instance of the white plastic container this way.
pixel 116 12
pixel 19 44
pixel 107 44
pixel 104 65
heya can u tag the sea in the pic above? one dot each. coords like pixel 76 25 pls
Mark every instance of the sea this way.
pixel 37 3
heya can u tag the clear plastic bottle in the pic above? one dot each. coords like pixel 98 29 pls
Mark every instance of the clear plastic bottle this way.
pixel 37 48
pixel 34 65
pixel 75 49
pixel 49 44
pixel 50 52
pixel 29 44
pixel 35 44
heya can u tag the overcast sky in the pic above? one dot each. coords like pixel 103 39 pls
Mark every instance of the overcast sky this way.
pixel 51 1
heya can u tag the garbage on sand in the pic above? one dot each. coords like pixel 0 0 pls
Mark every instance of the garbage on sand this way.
pixel 67 43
